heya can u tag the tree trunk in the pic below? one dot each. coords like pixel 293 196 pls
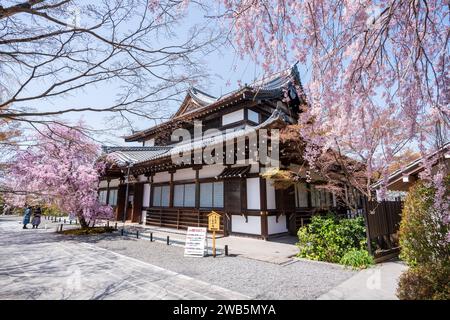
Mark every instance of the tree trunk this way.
pixel 83 223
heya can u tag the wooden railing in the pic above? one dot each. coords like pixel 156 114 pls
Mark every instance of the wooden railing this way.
pixel 182 218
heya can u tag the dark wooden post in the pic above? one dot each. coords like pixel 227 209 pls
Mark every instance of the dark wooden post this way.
pixel 263 207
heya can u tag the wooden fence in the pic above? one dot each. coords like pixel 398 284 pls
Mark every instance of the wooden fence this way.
pixel 183 218
pixel 382 224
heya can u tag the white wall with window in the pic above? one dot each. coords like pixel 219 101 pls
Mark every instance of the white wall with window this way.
pixel 112 201
pixel 211 194
pixel 161 196
pixel 184 195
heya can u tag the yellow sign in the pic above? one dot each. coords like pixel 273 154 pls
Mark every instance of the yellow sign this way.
pixel 214 225
pixel 213 221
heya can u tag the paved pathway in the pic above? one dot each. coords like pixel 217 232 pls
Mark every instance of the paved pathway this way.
pixel 36 265
pixel 278 250
pixel 377 283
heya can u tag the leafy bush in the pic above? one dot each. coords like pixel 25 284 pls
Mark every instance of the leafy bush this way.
pixel 427 282
pixel 329 239
pixel 423 232
pixel 425 247
pixel 357 259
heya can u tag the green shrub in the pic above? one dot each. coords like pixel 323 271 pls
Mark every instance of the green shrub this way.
pixel 423 232
pixel 424 247
pixel 427 282
pixel 328 238
pixel 357 259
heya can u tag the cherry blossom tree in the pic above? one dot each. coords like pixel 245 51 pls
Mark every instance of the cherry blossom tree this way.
pixel 60 169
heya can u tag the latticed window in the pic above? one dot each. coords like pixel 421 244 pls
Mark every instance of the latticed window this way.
pixel 211 195
pixel 301 195
pixel 184 195
pixel 161 196
pixel 112 201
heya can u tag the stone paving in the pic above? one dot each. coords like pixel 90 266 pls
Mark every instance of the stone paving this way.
pixel 35 264
pixel 40 264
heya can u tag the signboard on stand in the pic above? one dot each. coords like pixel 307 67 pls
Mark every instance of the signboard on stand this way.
pixel 214 225
pixel 195 242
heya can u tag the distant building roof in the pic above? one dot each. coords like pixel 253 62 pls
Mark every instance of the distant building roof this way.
pixel 403 178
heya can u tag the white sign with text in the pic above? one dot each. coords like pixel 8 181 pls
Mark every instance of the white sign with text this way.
pixel 195 242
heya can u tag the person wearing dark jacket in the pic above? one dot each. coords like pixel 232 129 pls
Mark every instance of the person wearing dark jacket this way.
pixel 26 216
pixel 36 217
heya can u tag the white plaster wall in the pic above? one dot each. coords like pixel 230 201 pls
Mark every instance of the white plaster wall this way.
pixel 210 171
pixel 114 183
pixel 142 178
pixel 146 195
pixel 274 227
pixel 254 168
pixel 253 116
pixel 253 226
pixel 232 117
pixel 103 184
pixel 149 143
pixel 253 194
pixel 184 174
pixel 271 202
pixel 161 177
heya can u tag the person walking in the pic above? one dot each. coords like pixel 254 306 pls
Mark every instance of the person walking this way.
pixel 26 217
pixel 36 217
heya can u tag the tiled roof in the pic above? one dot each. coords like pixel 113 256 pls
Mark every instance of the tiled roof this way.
pixel 271 85
pixel 134 155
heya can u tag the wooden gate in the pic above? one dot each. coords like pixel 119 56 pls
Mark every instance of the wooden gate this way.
pixel 382 226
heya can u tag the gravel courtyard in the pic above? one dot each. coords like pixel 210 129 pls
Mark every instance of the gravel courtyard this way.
pixel 142 265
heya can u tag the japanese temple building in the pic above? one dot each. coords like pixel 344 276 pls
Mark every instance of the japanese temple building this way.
pixel 146 185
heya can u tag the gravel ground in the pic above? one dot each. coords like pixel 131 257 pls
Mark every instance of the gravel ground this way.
pixel 260 280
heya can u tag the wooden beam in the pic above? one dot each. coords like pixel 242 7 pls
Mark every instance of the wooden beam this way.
pixel 263 207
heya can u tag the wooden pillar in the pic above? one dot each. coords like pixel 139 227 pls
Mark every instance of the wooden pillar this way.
pixel 197 186
pixel 150 204
pixel 121 201
pixel 137 202
pixel 263 207
pixel 107 190
pixel 171 190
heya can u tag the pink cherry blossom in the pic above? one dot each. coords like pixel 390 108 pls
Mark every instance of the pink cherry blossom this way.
pixel 62 170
